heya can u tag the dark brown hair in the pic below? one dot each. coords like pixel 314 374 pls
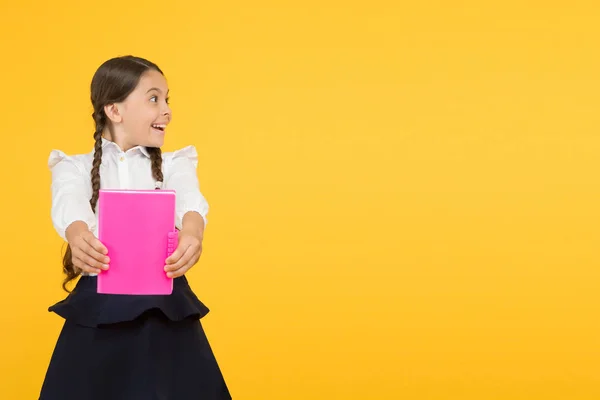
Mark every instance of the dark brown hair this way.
pixel 114 80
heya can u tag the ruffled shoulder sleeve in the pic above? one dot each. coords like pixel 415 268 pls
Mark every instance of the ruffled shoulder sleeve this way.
pixel 188 152
pixel 55 157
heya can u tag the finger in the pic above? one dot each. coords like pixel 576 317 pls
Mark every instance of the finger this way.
pixel 95 243
pixel 88 255
pixel 187 266
pixel 88 249
pixel 185 257
pixel 177 254
pixel 179 272
pixel 79 263
pixel 81 252
pixel 193 259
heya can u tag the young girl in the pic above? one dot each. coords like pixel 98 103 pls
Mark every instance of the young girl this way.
pixel 118 347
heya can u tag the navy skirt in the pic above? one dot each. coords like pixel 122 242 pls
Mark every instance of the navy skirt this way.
pixel 118 347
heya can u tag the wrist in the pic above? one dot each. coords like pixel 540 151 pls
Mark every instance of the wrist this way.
pixel 75 229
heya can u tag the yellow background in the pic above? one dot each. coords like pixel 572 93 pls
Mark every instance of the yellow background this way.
pixel 404 196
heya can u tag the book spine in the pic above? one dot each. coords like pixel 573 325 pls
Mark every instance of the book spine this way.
pixel 172 242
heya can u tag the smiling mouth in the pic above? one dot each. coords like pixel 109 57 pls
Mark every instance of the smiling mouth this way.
pixel 159 127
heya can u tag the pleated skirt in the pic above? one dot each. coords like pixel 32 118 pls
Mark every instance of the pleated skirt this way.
pixel 118 347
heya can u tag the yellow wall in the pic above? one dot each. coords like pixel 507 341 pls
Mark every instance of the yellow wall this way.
pixel 404 196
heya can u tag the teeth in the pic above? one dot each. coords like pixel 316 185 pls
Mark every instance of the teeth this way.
pixel 159 126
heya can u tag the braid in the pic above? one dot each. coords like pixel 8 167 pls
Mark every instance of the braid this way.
pixel 100 120
pixel 95 174
pixel 156 160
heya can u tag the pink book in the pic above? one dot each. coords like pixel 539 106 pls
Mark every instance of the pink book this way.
pixel 138 229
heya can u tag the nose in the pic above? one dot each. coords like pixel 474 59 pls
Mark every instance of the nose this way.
pixel 167 112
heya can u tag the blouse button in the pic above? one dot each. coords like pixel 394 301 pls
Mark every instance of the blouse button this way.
pixel 122 158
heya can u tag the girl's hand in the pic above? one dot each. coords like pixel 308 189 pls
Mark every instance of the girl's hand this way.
pixel 186 255
pixel 88 253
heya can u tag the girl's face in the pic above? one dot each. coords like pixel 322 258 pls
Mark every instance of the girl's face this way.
pixel 141 119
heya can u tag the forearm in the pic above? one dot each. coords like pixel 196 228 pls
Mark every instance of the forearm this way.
pixel 193 223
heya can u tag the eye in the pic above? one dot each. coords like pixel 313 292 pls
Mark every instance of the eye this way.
pixel 153 98
pixel 167 100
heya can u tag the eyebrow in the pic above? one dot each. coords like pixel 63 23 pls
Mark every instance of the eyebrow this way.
pixel 157 89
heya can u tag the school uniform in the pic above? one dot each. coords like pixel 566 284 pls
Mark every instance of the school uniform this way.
pixel 120 347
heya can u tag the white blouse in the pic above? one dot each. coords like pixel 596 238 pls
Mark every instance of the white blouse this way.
pixel 72 185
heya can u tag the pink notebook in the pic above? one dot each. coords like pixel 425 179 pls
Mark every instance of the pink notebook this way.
pixel 138 229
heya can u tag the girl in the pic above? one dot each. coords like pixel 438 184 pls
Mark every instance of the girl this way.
pixel 115 347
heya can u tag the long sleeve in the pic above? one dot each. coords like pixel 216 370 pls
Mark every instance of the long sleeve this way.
pixel 180 175
pixel 70 197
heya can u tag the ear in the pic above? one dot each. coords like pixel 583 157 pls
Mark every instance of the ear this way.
pixel 113 113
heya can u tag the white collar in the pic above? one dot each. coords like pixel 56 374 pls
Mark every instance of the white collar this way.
pixel 108 144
